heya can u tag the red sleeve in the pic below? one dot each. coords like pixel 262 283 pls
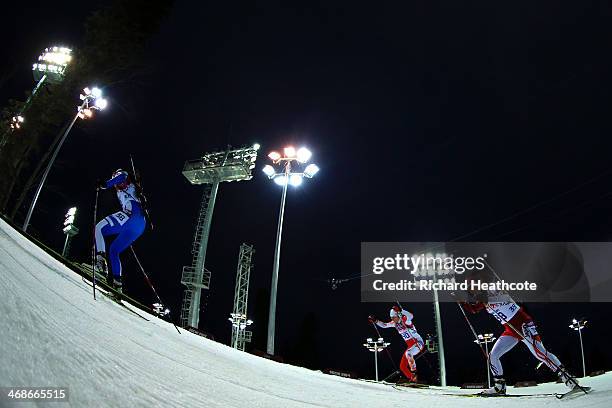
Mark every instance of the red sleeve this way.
pixel 473 307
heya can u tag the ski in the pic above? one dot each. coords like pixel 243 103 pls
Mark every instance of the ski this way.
pixel 577 390
pixel 410 385
pixel 112 296
pixel 480 395
pixel 101 282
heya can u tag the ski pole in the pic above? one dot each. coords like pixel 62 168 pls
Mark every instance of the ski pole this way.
pixel 386 349
pixel 93 251
pixel 473 331
pixel 149 281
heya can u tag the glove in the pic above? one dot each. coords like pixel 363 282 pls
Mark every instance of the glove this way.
pixel 397 309
pixel 372 319
pixel 100 184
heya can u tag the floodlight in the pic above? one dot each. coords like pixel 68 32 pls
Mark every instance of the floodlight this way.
pixel 268 170
pixel 289 152
pixel 303 155
pixel 87 91
pixel 96 92
pixel 295 180
pixel 281 181
pixel 256 146
pixel 311 170
pixel 291 162
pixel 101 103
pixel 69 220
pixel 72 211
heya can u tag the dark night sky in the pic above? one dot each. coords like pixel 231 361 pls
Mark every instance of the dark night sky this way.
pixel 429 121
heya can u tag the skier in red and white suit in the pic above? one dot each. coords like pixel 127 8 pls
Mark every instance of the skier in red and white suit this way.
pixel 518 326
pixel 402 321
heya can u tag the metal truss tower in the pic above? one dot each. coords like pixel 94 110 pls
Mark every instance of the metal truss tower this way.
pixel 239 319
pixel 211 170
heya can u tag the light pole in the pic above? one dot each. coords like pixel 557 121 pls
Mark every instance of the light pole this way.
pixel 579 325
pixel 70 230
pixel 435 273
pixel 284 178
pixel 376 346
pixel 239 333
pixel 486 339
pixel 92 100
pixel 51 67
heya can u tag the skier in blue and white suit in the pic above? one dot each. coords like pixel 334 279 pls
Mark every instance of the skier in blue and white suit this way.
pixel 128 225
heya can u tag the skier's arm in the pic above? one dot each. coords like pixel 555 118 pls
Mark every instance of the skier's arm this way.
pixel 118 179
pixel 385 325
pixel 409 316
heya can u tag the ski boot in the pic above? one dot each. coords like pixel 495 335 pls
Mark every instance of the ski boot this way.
pixel 101 267
pixel 117 285
pixel 499 388
pixel 411 381
pixel 569 381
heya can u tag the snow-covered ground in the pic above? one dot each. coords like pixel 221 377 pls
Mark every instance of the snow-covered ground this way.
pixel 52 333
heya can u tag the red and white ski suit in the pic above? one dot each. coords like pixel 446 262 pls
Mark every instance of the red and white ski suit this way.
pixel 518 326
pixel 414 342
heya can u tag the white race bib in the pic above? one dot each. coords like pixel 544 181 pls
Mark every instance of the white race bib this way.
pixel 120 217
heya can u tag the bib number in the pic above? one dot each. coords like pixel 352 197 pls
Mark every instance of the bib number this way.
pixel 120 217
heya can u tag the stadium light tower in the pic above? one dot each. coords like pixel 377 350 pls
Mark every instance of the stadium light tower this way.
pixel 238 317
pixel 211 169
pixel 50 68
pixel 284 178
pixel 376 346
pixel 70 230
pixel 578 325
pixel 486 339
pixel 92 100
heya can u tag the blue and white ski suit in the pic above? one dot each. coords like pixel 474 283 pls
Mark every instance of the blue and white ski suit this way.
pixel 127 224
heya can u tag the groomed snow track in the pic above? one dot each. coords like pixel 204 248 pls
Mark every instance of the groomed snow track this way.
pixel 52 334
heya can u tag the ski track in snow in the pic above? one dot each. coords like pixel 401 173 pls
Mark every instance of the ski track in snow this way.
pixel 52 334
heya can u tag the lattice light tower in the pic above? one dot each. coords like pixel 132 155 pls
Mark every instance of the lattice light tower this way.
pixel 211 169
pixel 238 317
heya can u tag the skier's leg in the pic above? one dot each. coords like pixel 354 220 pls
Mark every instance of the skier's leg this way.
pixel 130 231
pixel 503 345
pixel 104 228
pixel 408 364
pixel 100 244
pixel 537 348
pixel 405 365
pixel 535 345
